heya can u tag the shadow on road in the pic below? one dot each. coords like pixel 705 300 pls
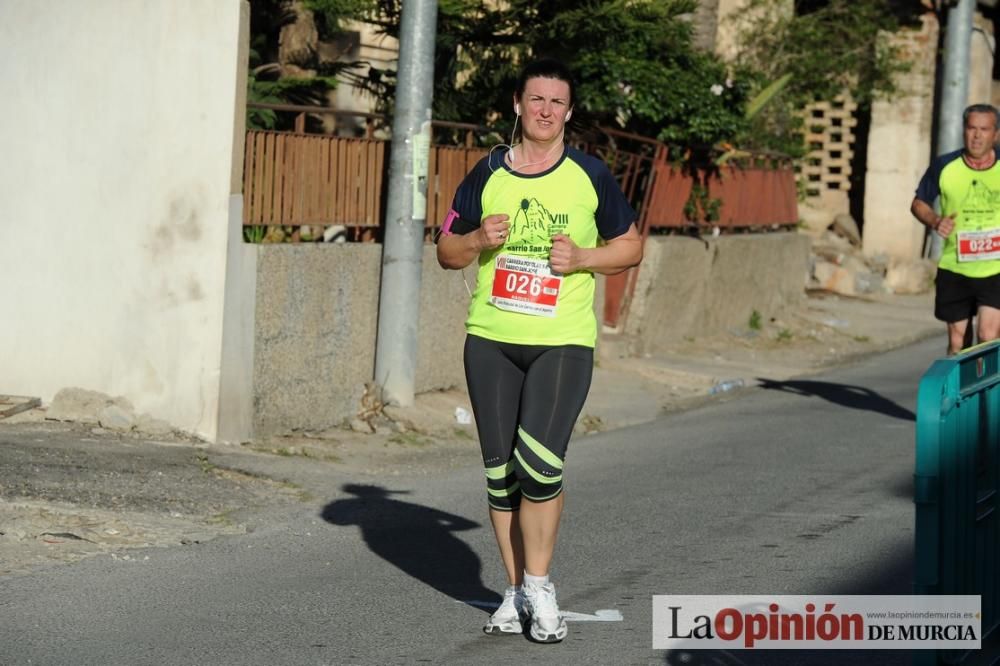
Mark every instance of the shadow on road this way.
pixel 419 540
pixel 846 395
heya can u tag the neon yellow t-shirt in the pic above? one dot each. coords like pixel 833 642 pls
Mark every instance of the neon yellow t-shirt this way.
pixel 577 197
pixel 972 198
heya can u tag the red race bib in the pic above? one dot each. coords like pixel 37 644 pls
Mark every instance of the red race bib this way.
pixel 525 285
pixel 979 245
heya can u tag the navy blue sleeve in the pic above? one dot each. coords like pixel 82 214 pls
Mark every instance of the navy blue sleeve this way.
pixel 930 184
pixel 614 213
pixel 467 206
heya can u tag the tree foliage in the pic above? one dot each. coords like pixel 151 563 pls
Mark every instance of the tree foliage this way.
pixel 825 48
pixel 634 60
pixel 266 82
pixel 636 64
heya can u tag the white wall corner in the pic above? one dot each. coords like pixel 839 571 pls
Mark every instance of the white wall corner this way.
pixel 236 380
pixel 236 377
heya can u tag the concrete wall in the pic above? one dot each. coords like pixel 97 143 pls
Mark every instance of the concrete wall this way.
pixel 122 123
pixel 981 47
pixel 899 150
pixel 705 21
pixel 690 287
pixel 317 313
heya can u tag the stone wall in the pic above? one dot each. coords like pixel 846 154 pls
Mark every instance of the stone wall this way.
pixel 691 287
pixel 317 314
pixel 317 310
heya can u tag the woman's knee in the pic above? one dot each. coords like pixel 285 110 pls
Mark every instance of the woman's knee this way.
pixel 538 467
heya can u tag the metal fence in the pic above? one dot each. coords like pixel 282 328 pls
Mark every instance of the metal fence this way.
pixel 957 476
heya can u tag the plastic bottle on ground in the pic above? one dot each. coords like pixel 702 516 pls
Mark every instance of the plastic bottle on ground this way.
pixel 727 385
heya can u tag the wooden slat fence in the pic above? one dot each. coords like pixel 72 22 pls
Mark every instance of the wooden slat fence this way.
pixel 447 167
pixel 308 179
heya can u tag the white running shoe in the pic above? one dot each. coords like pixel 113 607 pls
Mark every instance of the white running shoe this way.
pixel 547 623
pixel 507 620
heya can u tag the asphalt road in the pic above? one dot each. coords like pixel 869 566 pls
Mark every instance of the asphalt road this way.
pixel 796 488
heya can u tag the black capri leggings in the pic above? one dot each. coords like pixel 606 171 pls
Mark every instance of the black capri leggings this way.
pixel 526 399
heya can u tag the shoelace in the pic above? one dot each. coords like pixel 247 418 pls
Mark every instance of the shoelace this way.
pixel 544 604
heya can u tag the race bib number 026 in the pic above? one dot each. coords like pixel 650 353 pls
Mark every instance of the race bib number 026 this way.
pixel 525 285
pixel 979 245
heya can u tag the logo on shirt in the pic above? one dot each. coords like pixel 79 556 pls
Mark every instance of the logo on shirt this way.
pixel 980 207
pixel 533 228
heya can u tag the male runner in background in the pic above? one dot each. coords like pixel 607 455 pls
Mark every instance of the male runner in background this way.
pixel 968 277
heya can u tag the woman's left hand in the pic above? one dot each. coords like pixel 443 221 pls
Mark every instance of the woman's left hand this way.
pixel 565 256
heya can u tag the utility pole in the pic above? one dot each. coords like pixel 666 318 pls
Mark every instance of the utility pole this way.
pixel 406 209
pixel 954 87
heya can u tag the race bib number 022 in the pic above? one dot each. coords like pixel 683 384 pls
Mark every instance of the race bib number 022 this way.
pixel 525 285
pixel 979 245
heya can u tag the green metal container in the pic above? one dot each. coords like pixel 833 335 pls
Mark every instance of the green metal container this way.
pixel 957 540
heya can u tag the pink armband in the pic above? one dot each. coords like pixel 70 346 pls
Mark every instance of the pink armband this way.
pixel 448 221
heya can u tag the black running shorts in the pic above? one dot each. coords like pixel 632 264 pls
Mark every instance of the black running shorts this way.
pixel 526 399
pixel 959 297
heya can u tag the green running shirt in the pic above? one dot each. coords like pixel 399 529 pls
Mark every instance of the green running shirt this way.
pixel 577 197
pixel 972 197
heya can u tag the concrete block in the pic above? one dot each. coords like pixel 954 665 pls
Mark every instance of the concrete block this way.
pixel 317 308
pixel 83 406
pixel 317 316
pixel 688 286
pixel 673 281
pixel 114 417
pixel 763 272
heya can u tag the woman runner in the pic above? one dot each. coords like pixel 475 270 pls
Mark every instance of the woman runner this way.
pixel 539 220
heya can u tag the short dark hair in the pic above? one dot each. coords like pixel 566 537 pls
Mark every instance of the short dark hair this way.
pixel 546 68
pixel 981 108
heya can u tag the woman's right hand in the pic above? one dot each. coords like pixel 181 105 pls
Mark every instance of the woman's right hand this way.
pixel 493 231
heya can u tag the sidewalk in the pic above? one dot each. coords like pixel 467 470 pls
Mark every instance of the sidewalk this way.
pixel 70 490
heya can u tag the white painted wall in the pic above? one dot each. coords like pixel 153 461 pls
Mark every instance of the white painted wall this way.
pixel 121 124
